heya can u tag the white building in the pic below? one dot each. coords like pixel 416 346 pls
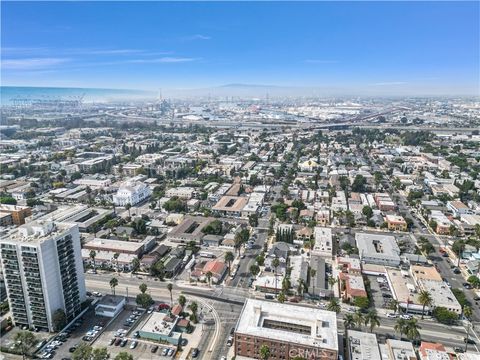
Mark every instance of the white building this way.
pixel 378 249
pixel 362 346
pixel 43 272
pixel 131 193
pixel 323 242
pixel 182 192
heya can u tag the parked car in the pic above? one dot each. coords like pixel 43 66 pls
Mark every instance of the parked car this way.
pixel 469 340
pixel 392 316
pixel 154 349
pixel 406 317
pixel 133 345
pixel 164 352
pixel 458 349
pixel 467 286
pixel 118 341
pixel 194 352
pixel 230 340
pixel 170 352
pixel 124 342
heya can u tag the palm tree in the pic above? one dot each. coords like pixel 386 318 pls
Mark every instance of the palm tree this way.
pixel 373 319
pixel 331 281
pixel 170 288
pixel 394 305
pixel 209 277
pixel 411 329
pixel 93 255
pixel 135 264
pixel 281 297
pixel 313 273
pixel 348 321
pixel 300 287
pixel 24 340
pixel 113 284
pixel 264 352
pixel 193 306
pixel 425 299
pixel 400 327
pixel 467 313
pixel 182 300
pixel 229 257
pixel 333 305
pixel 275 264
pixel 116 256
pixel 359 319
pixel 128 207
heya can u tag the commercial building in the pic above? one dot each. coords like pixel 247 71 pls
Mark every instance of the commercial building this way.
pixel 110 306
pixel 43 272
pixel 378 249
pixel 362 346
pixel 441 295
pixel 161 327
pixel 397 349
pixel 433 351
pixel 288 330
pixel 17 213
pixel 131 193
pixel 181 192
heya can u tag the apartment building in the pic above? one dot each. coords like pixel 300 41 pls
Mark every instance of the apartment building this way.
pixel 17 213
pixel 43 272
pixel 288 330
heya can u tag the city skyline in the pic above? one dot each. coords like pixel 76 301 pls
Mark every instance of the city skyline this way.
pixel 378 48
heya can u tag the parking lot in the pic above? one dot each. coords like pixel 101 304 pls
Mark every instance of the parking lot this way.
pixel 380 291
pixel 77 332
pixel 120 335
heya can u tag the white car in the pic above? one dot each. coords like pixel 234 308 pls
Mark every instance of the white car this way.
pixel 406 317
pixel 133 345
pixel 392 316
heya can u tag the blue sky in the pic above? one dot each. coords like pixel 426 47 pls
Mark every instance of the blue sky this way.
pixel 427 47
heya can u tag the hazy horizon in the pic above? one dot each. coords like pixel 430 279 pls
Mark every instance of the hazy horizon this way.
pixel 345 48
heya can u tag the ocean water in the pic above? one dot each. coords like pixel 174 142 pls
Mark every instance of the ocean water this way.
pixel 8 93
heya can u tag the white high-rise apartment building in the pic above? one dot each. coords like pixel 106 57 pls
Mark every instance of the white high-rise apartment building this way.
pixel 43 271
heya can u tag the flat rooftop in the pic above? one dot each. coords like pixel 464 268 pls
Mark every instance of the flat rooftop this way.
pixel 114 245
pixel 363 346
pixel 312 327
pixel 378 246
pixel 231 203
pixel 36 232
pixel 425 272
pixel 190 228
pixel 156 325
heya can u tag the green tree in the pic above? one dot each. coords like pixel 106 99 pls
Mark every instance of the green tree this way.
pixel 400 326
pixel 124 356
pixel 254 270
pixel 334 305
pixel 394 305
pixel 348 321
pixel 474 281
pixel 367 211
pixel 253 220
pixel 412 329
pixel 182 300
pixel 143 288
pixel 113 284
pixel 144 300
pixel 135 264
pixel 313 274
pixel 281 297
pixel 24 341
pixel 362 302
pixel 425 299
pixel 264 352
pixel 359 318
pixel 275 264
pixel 372 319
pixel 93 255
pixel 82 352
pixel 193 306
pixel 128 207
pixel 170 289
pixel 445 316
pixel 209 277
pixel 229 257
pixel 100 354
pixel 59 319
